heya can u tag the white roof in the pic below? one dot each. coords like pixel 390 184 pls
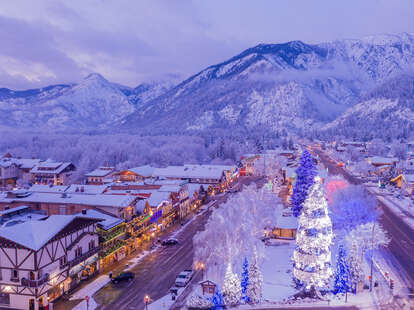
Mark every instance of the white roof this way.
pixel 100 172
pixel 56 167
pixel 192 188
pixel 86 189
pixel 103 200
pixel 108 220
pixel 40 188
pixel 158 198
pixel 383 160
pixel 27 163
pixel 192 171
pixel 170 188
pixel 35 234
pixel 145 171
pixel 287 222
pixel 409 178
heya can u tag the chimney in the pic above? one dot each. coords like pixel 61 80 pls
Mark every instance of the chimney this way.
pixel 84 211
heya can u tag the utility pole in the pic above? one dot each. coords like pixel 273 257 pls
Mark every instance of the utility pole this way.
pixel 264 159
pixel 372 253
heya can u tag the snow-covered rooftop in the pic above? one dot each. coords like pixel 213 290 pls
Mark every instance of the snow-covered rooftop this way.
pixel 35 234
pixel 382 160
pixel 193 171
pixel 50 167
pixel 100 172
pixel 86 189
pixel 158 198
pixel 108 220
pixel 287 222
pixel 103 200
pixel 145 171
pixel 409 178
pixel 40 188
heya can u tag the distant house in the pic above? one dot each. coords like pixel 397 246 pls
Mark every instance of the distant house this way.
pixel 100 175
pixel 134 174
pixel 286 228
pixel 50 172
pixel 378 161
pixel 9 172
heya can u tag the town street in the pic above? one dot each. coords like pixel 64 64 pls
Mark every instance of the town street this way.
pixel 155 274
pixel 402 236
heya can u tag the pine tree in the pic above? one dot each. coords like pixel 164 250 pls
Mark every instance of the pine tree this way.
pixel 356 274
pixel 217 300
pixel 305 175
pixel 231 288
pixel 342 282
pixel 312 256
pixel 245 280
pixel 254 289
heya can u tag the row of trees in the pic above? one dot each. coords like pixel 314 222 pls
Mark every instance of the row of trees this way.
pixel 232 233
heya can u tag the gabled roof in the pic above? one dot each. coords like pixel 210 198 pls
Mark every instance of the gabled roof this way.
pixel 35 234
pixel 145 171
pixel 55 167
pixel 100 172
pixel 158 198
pixel 108 221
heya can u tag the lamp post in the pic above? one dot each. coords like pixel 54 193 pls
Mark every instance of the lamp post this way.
pixel 146 301
pixel 372 253
pixel 202 270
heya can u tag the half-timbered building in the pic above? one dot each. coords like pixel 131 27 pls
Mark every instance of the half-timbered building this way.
pixel 41 259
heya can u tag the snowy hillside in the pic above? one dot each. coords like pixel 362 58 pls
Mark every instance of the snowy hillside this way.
pixel 292 85
pixel 386 112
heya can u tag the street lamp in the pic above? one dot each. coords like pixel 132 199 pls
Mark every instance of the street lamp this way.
pixel 146 301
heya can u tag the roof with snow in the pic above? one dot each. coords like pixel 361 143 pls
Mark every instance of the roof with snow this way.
pixel 50 167
pixel 145 171
pixel 86 189
pixel 27 163
pixel 41 188
pixel 157 198
pixel 193 188
pixel 287 222
pixel 409 178
pixel 100 172
pixel 35 234
pixel 102 200
pixel 382 160
pixel 7 162
pixel 107 222
pixel 170 188
pixel 193 171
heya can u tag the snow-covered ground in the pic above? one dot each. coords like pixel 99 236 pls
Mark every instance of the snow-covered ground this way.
pixel 90 290
pixel 164 302
pixel 277 271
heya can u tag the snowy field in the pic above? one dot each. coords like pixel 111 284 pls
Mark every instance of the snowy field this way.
pixel 277 272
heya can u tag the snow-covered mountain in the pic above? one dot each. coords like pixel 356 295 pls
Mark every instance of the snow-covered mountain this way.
pixel 93 103
pixel 292 86
pixel 385 112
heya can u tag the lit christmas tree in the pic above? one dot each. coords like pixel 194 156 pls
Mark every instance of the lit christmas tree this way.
pixel 217 300
pixel 231 288
pixel 245 280
pixel 342 275
pixel 305 175
pixel 312 256
pixel 254 289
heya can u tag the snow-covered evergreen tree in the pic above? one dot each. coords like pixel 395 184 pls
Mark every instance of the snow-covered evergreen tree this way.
pixel 245 280
pixel 356 272
pixel 342 282
pixel 255 287
pixel 312 257
pixel 231 288
pixel 305 174
pixel 217 300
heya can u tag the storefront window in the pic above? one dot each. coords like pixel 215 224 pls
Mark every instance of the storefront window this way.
pixel 4 299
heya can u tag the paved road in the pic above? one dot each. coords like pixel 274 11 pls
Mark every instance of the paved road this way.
pixel 316 307
pixel 156 273
pixel 402 235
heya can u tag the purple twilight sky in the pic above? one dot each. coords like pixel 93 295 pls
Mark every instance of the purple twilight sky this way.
pixel 48 42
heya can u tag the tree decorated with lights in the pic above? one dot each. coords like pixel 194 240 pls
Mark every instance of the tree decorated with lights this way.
pixel 342 282
pixel 217 300
pixel 231 288
pixel 312 256
pixel 245 280
pixel 255 287
pixel 305 175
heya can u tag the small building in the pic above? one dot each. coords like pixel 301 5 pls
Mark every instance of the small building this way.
pixel 134 174
pixel 208 287
pixel 286 228
pixel 99 175
pixel 9 172
pixel 50 172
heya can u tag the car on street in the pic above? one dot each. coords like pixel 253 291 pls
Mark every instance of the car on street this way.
pixel 123 276
pixel 184 277
pixel 169 241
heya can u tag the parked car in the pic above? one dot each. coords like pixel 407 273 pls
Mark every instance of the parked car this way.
pixel 123 276
pixel 184 277
pixel 170 241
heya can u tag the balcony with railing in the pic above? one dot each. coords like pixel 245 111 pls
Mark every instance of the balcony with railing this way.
pixel 83 257
pixel 35 283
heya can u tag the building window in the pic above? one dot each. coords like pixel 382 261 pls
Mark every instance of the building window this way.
pixel 91 245
pixel 14 274
pixel 4 299
pixel 78 252
pixel 63 260
pixel 62 210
